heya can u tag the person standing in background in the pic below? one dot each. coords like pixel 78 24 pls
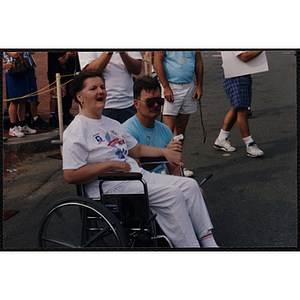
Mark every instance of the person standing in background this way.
pixel 118 70
pixel 176 70
pixel 239 93
pixel 64 63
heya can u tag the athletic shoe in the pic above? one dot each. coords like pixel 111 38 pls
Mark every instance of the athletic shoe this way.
pixel 40 123
pixel 15 132
pixel 188 173
pixel 26 129
pixel 253 150
pixel 53 121
pixel 223 145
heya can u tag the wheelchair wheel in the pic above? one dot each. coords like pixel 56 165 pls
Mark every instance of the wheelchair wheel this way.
pixel 78 222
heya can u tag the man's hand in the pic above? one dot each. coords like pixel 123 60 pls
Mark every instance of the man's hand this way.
pixel 174 157
pixel 7 66
pixel 71 55
pixel 168 94
pixel 198 93
pixel 132 65
pixel 175 146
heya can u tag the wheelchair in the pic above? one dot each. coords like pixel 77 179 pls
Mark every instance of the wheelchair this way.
pixel 111 222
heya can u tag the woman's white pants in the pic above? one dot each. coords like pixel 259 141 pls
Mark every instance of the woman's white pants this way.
pixel 178 203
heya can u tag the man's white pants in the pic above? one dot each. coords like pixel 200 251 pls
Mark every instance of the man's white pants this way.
pixel 178 202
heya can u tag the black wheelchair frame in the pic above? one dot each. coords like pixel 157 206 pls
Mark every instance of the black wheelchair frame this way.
pixel 118 220
pixel 113 221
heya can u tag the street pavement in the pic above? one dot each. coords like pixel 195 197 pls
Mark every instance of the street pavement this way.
pixel 252 201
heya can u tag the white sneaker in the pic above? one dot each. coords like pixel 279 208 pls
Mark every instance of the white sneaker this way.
pixel 254 151
pixel 223 145
pixel 15 132
pixel 187 173
pixel 27 130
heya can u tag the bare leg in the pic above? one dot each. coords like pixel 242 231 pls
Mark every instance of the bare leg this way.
pixel 22 111
pixel 170 121
pixel 12 111
pixel 181 123
pixel 242 121
pixel 33 108
pixel 53 104
pixel 230 119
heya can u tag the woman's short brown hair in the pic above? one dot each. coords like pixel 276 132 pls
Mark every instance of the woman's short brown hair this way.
pixel 77 84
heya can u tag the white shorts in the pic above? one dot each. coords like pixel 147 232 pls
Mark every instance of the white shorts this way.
pixel 184 103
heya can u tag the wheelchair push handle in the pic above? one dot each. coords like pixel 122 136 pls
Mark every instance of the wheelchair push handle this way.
pixel 205 179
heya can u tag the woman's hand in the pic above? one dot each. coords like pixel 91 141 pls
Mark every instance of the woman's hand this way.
pixel 120 166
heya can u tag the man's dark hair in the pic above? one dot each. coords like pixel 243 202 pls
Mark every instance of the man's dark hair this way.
pixel 77 84
pixel 146 83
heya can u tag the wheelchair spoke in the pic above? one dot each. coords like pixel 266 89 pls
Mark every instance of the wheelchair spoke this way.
pixel 78 222
pixel 70 230
pixel 98 237
pixel 58 242
pixel 83 211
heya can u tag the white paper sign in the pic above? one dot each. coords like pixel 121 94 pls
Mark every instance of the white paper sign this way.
pixel 234 66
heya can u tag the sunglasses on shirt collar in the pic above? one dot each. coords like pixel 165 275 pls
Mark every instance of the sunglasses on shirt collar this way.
pixel 150 102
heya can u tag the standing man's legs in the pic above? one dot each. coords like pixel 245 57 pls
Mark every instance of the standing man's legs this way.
pixel 181 123
pixel 229 120
pixel 177 124
pixel 240 116
pixel 242 121
pixel 170 121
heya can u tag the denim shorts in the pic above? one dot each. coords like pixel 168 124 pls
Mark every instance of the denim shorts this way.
pixel 184 103
pixel 238 90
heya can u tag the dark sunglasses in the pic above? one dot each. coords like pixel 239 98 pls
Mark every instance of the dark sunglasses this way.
pixel 150 102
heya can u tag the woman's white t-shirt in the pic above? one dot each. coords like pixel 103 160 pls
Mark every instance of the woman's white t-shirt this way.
pixel 88 141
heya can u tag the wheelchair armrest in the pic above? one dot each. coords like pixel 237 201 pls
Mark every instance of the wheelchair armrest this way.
pixel 160 159
pixel 114 176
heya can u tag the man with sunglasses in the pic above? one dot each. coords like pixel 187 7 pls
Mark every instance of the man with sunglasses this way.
pixel 143 126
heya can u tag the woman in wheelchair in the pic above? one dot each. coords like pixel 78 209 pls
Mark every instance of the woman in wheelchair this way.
pixel 94 144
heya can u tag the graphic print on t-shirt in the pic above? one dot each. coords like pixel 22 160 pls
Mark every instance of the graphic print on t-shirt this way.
pixel 114 141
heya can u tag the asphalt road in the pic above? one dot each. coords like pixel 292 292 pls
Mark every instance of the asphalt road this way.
pixel 252 201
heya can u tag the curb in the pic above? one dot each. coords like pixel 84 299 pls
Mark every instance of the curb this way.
pixel 35 143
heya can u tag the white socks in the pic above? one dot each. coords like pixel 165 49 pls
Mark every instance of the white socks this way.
pixel 208 241
pixel 248 140
pixel 223 135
